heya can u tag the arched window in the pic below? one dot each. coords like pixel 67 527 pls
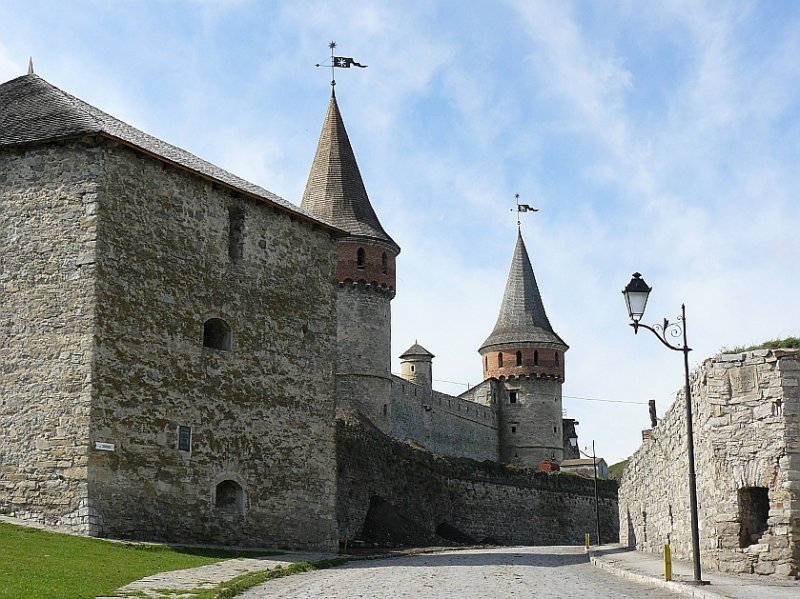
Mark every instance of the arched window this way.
pixel 500 359
pixel 536 357
pixel 229 497
pixel 385 264
pixel 519 358
pixel 361 260
pixel 217 334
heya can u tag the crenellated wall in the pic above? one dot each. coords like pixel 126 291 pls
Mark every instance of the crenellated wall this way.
pixel 746 422
pixel 441 423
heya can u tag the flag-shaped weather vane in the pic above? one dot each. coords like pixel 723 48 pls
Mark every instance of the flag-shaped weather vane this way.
pixel 522 208
pixel 340 62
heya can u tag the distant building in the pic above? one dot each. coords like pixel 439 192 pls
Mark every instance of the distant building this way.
pixel 585 467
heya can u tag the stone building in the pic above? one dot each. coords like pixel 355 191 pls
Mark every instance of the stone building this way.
pixel 746 422
pixel 166 338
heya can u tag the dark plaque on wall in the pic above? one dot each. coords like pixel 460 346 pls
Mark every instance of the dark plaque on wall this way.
pixel 184 438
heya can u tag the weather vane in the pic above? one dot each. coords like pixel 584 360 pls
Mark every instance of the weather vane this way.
pixel 522 208
pixel 340 62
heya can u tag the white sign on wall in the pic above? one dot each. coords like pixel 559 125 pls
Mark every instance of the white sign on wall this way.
pixel 103 446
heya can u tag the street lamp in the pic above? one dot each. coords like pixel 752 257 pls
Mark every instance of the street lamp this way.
pixel 636 294
pixel 573 441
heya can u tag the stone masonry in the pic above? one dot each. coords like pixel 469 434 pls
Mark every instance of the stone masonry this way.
pixel 167 338
pixel 747 459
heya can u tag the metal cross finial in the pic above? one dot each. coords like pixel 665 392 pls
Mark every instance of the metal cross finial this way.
pixel 332 45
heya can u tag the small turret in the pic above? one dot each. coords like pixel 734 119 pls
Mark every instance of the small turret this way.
pixel 416 365
pixel 527 357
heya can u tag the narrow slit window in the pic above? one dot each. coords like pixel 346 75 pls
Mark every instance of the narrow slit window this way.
pixel 385 264
pixel 361 260
pixel 536 357
pixel 500 360
pixel 236 234
pixel 556 353
pixel 519 358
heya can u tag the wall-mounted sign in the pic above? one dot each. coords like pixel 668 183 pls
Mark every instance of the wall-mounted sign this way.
pixel 103 446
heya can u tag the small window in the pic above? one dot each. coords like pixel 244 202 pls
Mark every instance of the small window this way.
pixel 235 234
pixel 556 354
pixel 385 264
pixel 519 358
pixel 184 438
pixel 361 260
pixel 512 397
pixel 412 368
pixel 500 360
pixel 536 357
pixel 229 497
pixel 385 409
pixel 513 429
pixel 217 334
pixel 555 430
pixel 486 362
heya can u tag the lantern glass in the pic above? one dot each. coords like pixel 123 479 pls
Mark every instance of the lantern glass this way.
pixel 636 294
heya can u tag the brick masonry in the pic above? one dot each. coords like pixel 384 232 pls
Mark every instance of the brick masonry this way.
pixel 746 424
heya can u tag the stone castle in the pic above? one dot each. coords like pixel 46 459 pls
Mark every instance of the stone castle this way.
pixel 175 342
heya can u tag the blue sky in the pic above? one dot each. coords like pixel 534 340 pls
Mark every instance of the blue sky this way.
pixel 660 137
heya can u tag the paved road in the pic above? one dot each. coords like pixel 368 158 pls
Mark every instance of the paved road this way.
pixel 524 572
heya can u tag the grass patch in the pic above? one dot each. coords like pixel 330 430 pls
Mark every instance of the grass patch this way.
pixel 615 471
pixel 40 565
pixel 787 343
pixel 238 585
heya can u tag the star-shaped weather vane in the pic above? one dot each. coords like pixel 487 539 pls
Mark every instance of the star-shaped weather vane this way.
pixel 522 208
pixel 340 62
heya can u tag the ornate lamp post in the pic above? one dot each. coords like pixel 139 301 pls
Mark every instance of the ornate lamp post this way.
pixel 573 441
pixel 636 294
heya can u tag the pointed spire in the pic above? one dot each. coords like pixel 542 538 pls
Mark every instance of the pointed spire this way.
pixel 30 66
pixel 522 316
pixel 335 191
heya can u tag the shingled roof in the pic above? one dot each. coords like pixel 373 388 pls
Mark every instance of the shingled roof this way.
pixel 335 191
pixel 34 111
pixel 416 350
pixel 522 317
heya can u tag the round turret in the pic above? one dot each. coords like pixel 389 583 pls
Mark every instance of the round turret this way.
pixel 416 365
pixel 365 273
pixel 526 356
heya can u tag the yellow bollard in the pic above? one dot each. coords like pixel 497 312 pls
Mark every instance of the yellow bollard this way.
pixel 587 541
pixel 667 562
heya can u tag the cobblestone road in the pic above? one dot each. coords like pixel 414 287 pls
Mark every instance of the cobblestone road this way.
pixel 529 572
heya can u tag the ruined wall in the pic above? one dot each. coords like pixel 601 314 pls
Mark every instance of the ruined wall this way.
pixel 747 446
pixel 176 250
pixel 483 500
pixel 48 200
pixel 441 423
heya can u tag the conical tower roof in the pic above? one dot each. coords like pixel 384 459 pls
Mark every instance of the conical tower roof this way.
pixel 522 317
pixel 335 191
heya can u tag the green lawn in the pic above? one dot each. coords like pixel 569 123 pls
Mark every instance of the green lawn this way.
pixel 40 565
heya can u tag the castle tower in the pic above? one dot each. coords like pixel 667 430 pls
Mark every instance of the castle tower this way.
pixel 527 358
pixel 365 273
pixel 416 365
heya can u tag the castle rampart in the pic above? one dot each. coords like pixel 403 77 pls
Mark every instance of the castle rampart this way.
pixel 747 458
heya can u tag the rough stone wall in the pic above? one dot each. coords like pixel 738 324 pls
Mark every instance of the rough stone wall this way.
pixel 441 423
pixel 531 426
pixel 481 499
pixel 363 351
pixel 261 415
pixel 746 419
pixel 48 203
